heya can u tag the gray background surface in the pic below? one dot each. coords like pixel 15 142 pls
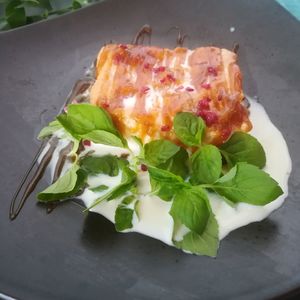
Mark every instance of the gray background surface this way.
pixel 70 255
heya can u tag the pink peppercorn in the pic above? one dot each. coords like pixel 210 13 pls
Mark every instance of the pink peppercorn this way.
pixel 86 143
pixel 189 89
pixel 209 117
pixel 165 128
pixel 118 58
pixel 203 104
pixel 144 168
pixel 144 89
pixel 105 105
pixel 205 85
pixel 147 66
pixel 225 133
pixel 213 71
pixel 170 77
pixel 159 69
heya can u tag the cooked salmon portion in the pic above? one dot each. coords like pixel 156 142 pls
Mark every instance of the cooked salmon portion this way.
pixel 143 87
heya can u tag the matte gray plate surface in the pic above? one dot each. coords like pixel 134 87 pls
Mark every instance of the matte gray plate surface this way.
pixel 70 255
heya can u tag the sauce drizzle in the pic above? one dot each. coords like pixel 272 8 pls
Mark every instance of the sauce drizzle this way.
pixel 62 156
pixel 236 47
pixel 14 211
pixel 139 38
pixel 63 153
pixel 75 95
pixel 180 37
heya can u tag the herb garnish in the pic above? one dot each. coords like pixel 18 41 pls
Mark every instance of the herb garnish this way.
pixel 232 170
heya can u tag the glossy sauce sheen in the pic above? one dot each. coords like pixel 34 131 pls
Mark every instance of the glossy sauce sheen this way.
pixel 155 220
pixel 144 87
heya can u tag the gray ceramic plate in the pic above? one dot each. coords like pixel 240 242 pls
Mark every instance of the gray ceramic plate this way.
pixel 69 255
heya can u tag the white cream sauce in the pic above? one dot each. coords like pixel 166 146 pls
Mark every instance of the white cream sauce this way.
pixel 154 219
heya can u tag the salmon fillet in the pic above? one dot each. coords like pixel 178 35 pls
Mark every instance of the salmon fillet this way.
pixel 143 87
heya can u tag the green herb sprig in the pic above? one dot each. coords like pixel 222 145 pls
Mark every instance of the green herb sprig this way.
pixel 233 171
pixel 245 182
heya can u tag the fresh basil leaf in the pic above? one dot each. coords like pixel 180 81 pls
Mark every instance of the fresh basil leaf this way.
pixel 49 129
pixel 32 2
pixel 84 118
pixel 128 200
pixel 66 186
pixel 45 4
pixel 124 215
pixel 75 127
pixel 190 206
pixel 247 183
pixel 178 164
pixel 11 6
pixel 128 175
pixel 99 188
pixel 159 151
pixel 164 183
pixel 206 243
pixel 76 4
pixel 17 18
pixel 164 191
pixel 3 24
pixel 79 3
pixel 164 176
pixel 127 182
pixel 108 165
pixel 123 218
pixel 242 147
pixel 103 137
pixel 189 128
pixel 206 165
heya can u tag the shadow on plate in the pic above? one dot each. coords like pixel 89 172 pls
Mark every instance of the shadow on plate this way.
pixel 98 232
pixel 261 233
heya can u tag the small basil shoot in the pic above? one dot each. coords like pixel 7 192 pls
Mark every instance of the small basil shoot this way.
pixel 247 183
pixel 93 165
pixel 189 128
pixel 164 183
pixel 123 218
pixel 206 243
pixel 65 187
pixel 103 137
pixel 99 188
pixel 177 164
pixel 159 151
pixel 206 165
pixel 242 147
pixel 127 182
pixel 191 208
pixel 85 120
